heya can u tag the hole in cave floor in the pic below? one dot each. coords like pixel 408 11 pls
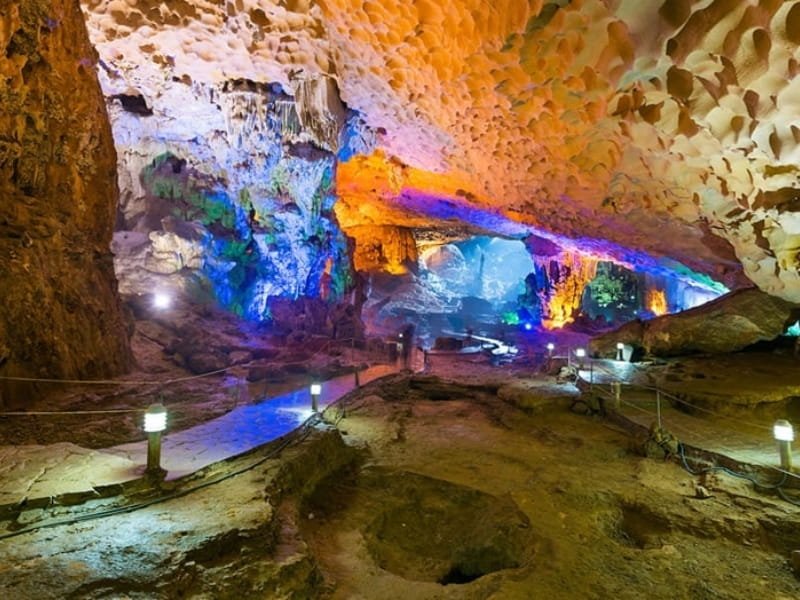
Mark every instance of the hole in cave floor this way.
pixel 458 577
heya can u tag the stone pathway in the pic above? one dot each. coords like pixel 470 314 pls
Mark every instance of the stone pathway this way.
pixel 42 472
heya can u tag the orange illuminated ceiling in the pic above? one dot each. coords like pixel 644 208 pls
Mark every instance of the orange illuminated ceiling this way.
pixel 668 126
pixel 367 187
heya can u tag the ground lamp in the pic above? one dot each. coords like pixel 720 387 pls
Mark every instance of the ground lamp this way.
pixel 620 348
pixel 784 435
pixel 161 300
pixel 581 354
pixel 155 421
pixel 316 390
pixel 550 347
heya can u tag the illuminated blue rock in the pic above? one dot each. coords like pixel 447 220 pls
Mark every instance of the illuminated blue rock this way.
pixel 233 185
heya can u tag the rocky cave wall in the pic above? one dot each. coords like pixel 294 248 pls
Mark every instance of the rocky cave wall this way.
pixel 61 316
pixel 667 126
pixel 623 126
pixel 228 190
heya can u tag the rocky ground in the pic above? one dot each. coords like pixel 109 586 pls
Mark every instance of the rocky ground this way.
pixel 459 487
pixel 183 342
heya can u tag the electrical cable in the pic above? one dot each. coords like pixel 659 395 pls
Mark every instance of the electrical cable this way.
pixel 777 487
pixel 731 472
pixel 304 429
pixel 722 448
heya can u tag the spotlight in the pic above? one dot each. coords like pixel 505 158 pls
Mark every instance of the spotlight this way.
pixel 620 348
pixel 162 300
pixel 528 326
pixel 784 435
pixel 316 390
pixel 155 422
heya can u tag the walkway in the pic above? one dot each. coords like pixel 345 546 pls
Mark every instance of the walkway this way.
pixel 36 474
pixel 746 438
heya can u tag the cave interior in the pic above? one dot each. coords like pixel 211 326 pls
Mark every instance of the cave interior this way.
pixel 490 215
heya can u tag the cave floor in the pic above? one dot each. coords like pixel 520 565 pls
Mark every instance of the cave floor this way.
pixel 434 488
pixel 50 474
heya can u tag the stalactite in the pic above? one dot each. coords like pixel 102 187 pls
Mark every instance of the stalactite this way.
pixel 245 115
pixel 320 111
pixel 657 302
pixel 567 277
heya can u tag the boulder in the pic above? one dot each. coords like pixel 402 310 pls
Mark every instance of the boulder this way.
pixel 727 324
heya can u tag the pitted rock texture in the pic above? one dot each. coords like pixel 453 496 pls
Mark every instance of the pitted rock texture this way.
pixel 727 324
pixel 60 316
pixel 663 126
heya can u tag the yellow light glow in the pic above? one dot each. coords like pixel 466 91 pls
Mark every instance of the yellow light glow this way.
pixel 566 297
pixel 657 302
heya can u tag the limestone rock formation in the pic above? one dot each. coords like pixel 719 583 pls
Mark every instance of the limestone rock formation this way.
pixel 383 248
pixel 726 324
pixel 60 316
pixel 664 127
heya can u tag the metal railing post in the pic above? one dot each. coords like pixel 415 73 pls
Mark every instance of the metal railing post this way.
pixel 658 407
pixel 617 395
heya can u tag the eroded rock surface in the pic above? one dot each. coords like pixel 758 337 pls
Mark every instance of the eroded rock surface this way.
pixel 661 126
pixel 60 316
pixel 430 488
pixel 727 324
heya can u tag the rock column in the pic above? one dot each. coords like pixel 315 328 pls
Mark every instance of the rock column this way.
pixel 61 316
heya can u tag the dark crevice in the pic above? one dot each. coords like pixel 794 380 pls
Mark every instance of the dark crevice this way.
pixel 134 103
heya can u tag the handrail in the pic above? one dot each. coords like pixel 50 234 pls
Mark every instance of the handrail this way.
pixel 676 425
pixel 679 400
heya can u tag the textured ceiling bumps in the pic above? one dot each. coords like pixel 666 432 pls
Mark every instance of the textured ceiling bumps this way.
pixel 667 126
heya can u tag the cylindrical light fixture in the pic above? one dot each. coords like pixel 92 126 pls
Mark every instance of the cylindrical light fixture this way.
pixel 784 435
pixel 550 347
pixel 316 390
pixel 581 354
pixel 155 422
pixel 620 348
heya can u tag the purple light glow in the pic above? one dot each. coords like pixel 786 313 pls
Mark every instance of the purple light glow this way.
pixel 460 210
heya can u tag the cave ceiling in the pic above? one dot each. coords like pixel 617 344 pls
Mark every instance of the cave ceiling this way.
pixel 669 127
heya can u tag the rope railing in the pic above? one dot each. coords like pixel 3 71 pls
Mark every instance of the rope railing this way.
pixel 724 448
pixel 122 382
pixel 616 396
pixel 133 382
pixel 664 394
